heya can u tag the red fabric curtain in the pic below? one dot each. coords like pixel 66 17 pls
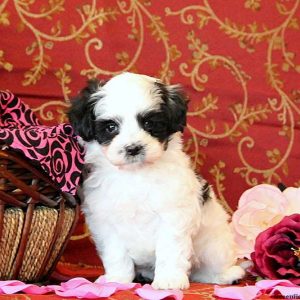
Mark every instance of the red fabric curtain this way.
pixel 237 60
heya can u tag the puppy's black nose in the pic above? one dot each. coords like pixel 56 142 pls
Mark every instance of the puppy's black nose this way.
pixel 133 150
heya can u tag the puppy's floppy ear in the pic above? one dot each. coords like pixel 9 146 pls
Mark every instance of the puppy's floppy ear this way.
pixel 81 114
pixel 178 105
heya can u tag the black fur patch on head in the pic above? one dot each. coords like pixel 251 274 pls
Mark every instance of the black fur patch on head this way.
pixel 170 117
pixel 81 114
pixel 156 123
pixel 205 193
pixel 174 106
pixel 106 130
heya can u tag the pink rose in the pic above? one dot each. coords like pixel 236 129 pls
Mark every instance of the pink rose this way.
pixel 277 250
pixel 293 196
pixel 260 208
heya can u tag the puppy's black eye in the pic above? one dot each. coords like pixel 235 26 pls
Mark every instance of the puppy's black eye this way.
pixel 111 127
pixel 106 130
pixel 148 125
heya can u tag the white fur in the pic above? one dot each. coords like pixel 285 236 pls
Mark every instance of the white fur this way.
pixel 145 215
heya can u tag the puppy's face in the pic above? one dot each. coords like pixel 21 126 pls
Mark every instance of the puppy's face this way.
pixel 132 117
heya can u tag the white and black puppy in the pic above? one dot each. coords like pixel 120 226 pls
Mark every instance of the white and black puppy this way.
pixel 148 212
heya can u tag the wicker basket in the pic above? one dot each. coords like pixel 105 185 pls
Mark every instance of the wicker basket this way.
pixel 36 220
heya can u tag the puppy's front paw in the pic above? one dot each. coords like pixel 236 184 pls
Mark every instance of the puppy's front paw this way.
pixel 171 280
pixel 231 275
pixel 120 278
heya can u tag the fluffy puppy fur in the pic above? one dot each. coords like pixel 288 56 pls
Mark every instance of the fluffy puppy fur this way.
pixel 148 212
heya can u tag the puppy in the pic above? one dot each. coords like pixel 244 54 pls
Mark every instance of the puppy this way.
pixel 148 212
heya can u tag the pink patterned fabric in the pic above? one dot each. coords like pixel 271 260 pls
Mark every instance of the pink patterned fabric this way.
pixel 55 148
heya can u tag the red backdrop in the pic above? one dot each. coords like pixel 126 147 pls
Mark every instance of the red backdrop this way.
pixel 238 61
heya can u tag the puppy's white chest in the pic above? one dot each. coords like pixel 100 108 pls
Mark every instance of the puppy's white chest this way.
pixel 126 207
pixel 131 211
pixel 136 225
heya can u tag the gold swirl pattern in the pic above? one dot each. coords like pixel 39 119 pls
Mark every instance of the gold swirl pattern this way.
pixel 238 62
